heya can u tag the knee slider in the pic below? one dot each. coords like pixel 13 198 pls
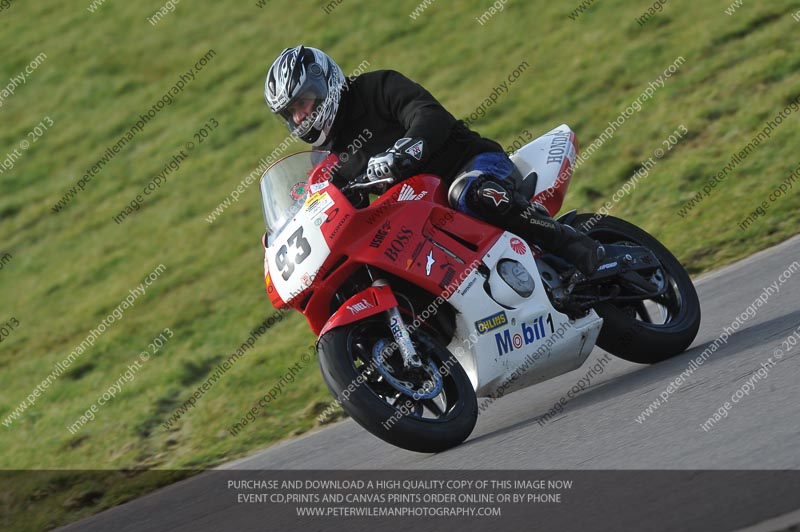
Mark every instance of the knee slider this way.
pixel 481 193
pixel 459 187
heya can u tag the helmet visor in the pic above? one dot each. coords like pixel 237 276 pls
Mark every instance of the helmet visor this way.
pixel 303 109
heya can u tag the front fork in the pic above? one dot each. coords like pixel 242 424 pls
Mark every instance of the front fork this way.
pixel 400 333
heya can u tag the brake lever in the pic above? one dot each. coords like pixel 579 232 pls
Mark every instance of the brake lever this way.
pixel 368 184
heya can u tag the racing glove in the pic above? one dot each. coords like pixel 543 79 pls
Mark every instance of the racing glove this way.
pixel 400 161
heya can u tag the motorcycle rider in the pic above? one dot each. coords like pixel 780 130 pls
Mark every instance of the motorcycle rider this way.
pixel 403 131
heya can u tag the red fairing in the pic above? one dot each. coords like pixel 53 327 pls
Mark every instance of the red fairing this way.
pixel 322 171
pixel 274 298
pixel 553 197
pixel 410 232
pixel 373 300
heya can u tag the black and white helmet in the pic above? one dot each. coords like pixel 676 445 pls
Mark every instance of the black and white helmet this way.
pixel 308 74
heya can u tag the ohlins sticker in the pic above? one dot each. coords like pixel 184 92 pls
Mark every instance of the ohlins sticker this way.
pixel 525 335
pixel 490 323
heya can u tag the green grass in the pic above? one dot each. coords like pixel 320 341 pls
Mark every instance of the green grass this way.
pixel 103 69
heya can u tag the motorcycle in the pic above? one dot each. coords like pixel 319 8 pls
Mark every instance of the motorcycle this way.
pixel 420 309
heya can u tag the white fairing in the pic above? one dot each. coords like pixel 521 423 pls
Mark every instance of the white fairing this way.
pixel 506 340
pixel 546 155
pixel 524 340
pixel 300 247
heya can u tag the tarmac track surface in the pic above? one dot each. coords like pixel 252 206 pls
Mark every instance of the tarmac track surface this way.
pixel 597 430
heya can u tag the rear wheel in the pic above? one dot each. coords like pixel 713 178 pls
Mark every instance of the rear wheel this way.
pixel 427 409
pixel 648 331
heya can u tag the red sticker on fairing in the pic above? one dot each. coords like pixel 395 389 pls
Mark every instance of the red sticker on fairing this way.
pixel 518 246
pixel 299 190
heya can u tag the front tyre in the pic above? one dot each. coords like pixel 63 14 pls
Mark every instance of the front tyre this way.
pixel 649 331
pixel 427 410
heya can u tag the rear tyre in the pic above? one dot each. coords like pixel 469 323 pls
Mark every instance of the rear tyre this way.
pixel 407 407
pixel 629 329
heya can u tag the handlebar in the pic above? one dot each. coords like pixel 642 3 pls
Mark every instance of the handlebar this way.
pixel 362 182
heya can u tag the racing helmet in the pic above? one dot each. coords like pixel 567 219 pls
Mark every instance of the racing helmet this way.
pixel 305 73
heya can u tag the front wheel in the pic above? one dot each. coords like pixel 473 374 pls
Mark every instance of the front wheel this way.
pixel 649 331
pixel 427 409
